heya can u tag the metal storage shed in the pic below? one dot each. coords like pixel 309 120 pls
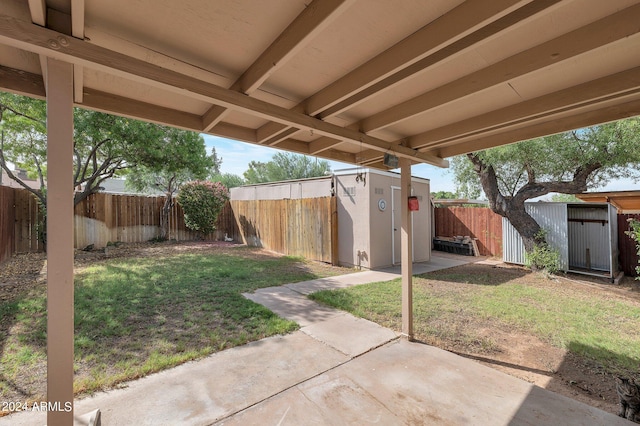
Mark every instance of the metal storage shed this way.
pixel 586 236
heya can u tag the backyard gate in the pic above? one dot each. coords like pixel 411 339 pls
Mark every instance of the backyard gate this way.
pixel 585 235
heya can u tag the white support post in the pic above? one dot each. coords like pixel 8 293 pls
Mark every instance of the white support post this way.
pixel 406 250
pixel 59 242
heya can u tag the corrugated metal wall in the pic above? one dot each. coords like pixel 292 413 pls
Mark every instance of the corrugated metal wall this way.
pixel 589 234
pixel 551 217
pixel 585 236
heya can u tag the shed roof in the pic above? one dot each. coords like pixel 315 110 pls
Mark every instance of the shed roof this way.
pixel 624 201
pixel 347 80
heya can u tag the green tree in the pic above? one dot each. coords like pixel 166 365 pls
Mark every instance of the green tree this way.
pixel 565 198
pixel 228 179
pixel 216 162
pixel 202 202
pixel 567 163
pixel 103 145
pixel 285 166
pixel 443 195
pixel 171 159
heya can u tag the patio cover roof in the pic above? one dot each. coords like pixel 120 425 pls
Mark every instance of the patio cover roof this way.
pixel 339 79
pixel 348 80
pixel 624 201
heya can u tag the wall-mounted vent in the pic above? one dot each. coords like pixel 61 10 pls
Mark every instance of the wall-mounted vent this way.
pixel 379 191
pixel 349 191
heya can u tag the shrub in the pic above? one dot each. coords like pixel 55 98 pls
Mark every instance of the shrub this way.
pixel 543 257
pixel 202 202
pixel 634 233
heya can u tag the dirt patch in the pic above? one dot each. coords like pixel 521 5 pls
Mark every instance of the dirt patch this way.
pixel 523 355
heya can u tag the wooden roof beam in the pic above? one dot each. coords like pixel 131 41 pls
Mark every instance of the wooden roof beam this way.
pixel 553 125
pixel 313 19
pixel 435 56
pixel 77 30
pixel 322 144
pixel 38 12
pixel 26 36
pixel 22 82
pixel 616 86
pixel 424 48
pixel 443 31
pixel 597 34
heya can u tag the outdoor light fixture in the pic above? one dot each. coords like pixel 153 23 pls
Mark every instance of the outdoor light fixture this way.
pixel 390 161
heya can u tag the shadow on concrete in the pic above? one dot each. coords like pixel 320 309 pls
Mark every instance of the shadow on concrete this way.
pixel 577 377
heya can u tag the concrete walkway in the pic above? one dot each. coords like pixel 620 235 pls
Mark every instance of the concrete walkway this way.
pixel 336 370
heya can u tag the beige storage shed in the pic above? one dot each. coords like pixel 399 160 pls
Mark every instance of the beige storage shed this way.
pixel 368 213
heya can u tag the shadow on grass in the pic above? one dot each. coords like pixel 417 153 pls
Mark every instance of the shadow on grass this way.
pixel 134 316
pixel 22 299
pixel 476 274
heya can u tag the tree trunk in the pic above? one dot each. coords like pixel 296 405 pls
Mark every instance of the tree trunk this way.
pixel 164 216
pixel 510 207
pixel 526 226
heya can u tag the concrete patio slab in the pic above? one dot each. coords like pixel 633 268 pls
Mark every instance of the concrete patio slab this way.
pixel 412 383
pixel 386 274
pixel 292 305
pixel 350 335
pixel 199 393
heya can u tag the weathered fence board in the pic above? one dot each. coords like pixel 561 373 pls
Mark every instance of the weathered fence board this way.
pixel 628 253
pixel 7 223
pixel 476 222
pixel 99 219
pixel 302 227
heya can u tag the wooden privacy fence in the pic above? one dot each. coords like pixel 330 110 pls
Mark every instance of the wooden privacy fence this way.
pixel 20 217
pixel 99 219
pixel 300 227
pixel 626 246
pixel 476 222
pixel 103 218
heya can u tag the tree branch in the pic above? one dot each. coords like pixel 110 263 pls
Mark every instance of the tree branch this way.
pixel 76 173
pixel 489 181
pixel 4 107
pixel 40 173
pixel 37 193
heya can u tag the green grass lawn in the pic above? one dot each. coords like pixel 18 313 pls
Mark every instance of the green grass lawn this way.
pixel 452 306
pixel 135 316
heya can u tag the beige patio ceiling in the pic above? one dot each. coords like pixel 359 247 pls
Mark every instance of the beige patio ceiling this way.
pixel 339 79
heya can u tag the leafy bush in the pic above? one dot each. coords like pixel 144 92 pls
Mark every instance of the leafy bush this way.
pixel 202 202
pixel 543 257
pixel 634 233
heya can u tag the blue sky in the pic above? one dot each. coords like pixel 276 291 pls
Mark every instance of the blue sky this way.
pixel 237 155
